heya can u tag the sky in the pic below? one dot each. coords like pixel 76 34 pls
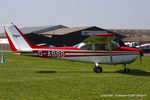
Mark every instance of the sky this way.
pixel 109 14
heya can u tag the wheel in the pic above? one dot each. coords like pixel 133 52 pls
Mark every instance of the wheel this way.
pixel 97 69
pixel 126 70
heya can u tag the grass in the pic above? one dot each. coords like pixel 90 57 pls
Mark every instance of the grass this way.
pixel 32 78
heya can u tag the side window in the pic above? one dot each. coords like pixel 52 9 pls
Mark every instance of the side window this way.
pixel 87 47
pixel 114 45
pixel 100 46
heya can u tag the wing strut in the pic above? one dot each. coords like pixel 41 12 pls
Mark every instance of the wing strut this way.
pixel 110 48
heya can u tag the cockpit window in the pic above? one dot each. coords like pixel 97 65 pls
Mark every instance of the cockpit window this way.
pixel 87 47
pixel 100 46
pixel 97 46
pixel 114 45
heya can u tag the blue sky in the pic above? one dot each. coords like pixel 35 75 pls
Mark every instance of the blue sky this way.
pixel 118 14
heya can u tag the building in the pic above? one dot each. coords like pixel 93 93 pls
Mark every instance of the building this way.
pixel 134 35
pixel 4 45
pixel 60 35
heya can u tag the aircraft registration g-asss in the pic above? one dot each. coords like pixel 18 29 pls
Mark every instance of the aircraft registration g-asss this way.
pixel 98 49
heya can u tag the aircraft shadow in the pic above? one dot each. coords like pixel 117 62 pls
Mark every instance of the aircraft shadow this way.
pixel 135 72
pixel 46 72
pixel 64 72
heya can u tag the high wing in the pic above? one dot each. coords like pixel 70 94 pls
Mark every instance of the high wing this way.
pixel 101 39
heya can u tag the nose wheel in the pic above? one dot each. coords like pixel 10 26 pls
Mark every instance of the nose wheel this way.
pixel 97 68
pixel 126 70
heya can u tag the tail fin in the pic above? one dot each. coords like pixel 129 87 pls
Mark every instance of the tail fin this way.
pixel 17 41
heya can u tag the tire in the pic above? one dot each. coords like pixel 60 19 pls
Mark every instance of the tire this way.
pixel 98 69
pixel 126 70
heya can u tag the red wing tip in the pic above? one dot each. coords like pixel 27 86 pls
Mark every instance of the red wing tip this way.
pixel 107 34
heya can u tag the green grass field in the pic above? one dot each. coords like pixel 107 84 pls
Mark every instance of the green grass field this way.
pixel 32 78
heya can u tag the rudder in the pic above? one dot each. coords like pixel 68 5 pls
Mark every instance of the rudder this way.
pixel 17 40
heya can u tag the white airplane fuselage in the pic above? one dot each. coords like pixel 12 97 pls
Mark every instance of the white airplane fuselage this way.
pixel 94 56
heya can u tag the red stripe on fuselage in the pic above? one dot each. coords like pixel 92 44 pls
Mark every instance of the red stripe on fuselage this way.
pixel 83 51
pixel 127 49
pixel 98 55
pixel 57 54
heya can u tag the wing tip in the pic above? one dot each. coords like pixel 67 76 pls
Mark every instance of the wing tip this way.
pixel 106 34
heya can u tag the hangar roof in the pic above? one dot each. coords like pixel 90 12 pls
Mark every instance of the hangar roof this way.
pixel 63 31
pixel 41 29
pixel 37 30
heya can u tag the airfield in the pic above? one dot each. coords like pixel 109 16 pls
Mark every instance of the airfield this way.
pixel 32 78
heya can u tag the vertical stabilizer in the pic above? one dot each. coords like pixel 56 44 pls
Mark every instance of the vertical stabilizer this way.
pixel 17 40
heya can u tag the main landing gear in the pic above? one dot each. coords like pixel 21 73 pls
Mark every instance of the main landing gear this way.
pixel 126 70
pixel 97 68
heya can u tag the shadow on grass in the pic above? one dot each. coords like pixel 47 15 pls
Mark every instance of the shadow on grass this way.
pixel 135 72
pixel 64 72
pixel 46 72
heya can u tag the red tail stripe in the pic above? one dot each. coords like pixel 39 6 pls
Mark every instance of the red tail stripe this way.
pixel 10 42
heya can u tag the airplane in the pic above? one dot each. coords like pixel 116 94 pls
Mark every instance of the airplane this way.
pixel 98 49
pixel 132 44
pixel 144 47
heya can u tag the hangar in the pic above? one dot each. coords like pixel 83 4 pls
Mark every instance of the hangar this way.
pixel 59 35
